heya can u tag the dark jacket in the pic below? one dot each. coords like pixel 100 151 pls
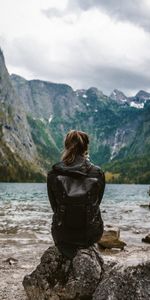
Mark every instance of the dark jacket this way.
pixel 75 179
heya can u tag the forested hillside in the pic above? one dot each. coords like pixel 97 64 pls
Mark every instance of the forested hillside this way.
pixel 35 116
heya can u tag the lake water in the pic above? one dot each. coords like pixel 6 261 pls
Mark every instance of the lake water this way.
pixel 25 212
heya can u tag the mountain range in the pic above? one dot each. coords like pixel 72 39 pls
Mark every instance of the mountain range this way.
pixel 35 115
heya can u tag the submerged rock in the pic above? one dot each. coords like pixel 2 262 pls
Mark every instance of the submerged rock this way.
pixel 11 260
pixel 57 277
pixel 146 239
pixel 147 205
pixel 110 239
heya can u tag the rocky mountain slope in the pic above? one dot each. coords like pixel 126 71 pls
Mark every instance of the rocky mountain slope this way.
pixel 35 115
pixel 18 154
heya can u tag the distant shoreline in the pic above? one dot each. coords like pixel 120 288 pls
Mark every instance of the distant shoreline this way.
pixel 107 182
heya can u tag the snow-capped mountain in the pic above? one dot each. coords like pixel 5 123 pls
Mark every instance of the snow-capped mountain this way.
pixel 118 96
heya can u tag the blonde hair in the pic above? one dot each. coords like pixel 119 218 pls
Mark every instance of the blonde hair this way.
pixel 76 143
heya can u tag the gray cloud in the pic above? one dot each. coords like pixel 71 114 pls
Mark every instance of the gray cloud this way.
pixel 76 73
pixel 53 12
pixel 135 11
pixel 82 50
pixel 106 78
pixel 125 80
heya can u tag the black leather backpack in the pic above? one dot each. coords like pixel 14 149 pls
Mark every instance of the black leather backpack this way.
pixel 78 203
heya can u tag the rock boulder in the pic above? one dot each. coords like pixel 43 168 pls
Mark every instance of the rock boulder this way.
pixel 146 239
pixel 110 239
pixel 85 277
pixel 125 283
pixel 57 277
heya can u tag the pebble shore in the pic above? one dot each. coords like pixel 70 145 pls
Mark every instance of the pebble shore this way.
pixel 18 260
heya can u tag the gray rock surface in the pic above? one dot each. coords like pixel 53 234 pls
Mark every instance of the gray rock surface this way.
pixel 19 159
pixel 14 127
pixel 45 99
pixel 125 283
pixel 59 278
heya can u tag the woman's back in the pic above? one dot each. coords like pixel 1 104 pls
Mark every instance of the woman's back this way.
pixel 75 191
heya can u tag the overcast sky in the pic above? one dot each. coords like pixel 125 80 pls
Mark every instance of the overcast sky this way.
pixel 84 43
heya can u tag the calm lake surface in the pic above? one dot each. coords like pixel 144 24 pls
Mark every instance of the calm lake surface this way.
pixel 25 212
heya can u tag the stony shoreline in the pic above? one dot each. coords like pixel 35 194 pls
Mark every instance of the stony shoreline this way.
pixel 27 257
pixel 13 272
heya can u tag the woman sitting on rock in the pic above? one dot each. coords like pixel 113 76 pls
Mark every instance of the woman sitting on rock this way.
pixel 75 189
